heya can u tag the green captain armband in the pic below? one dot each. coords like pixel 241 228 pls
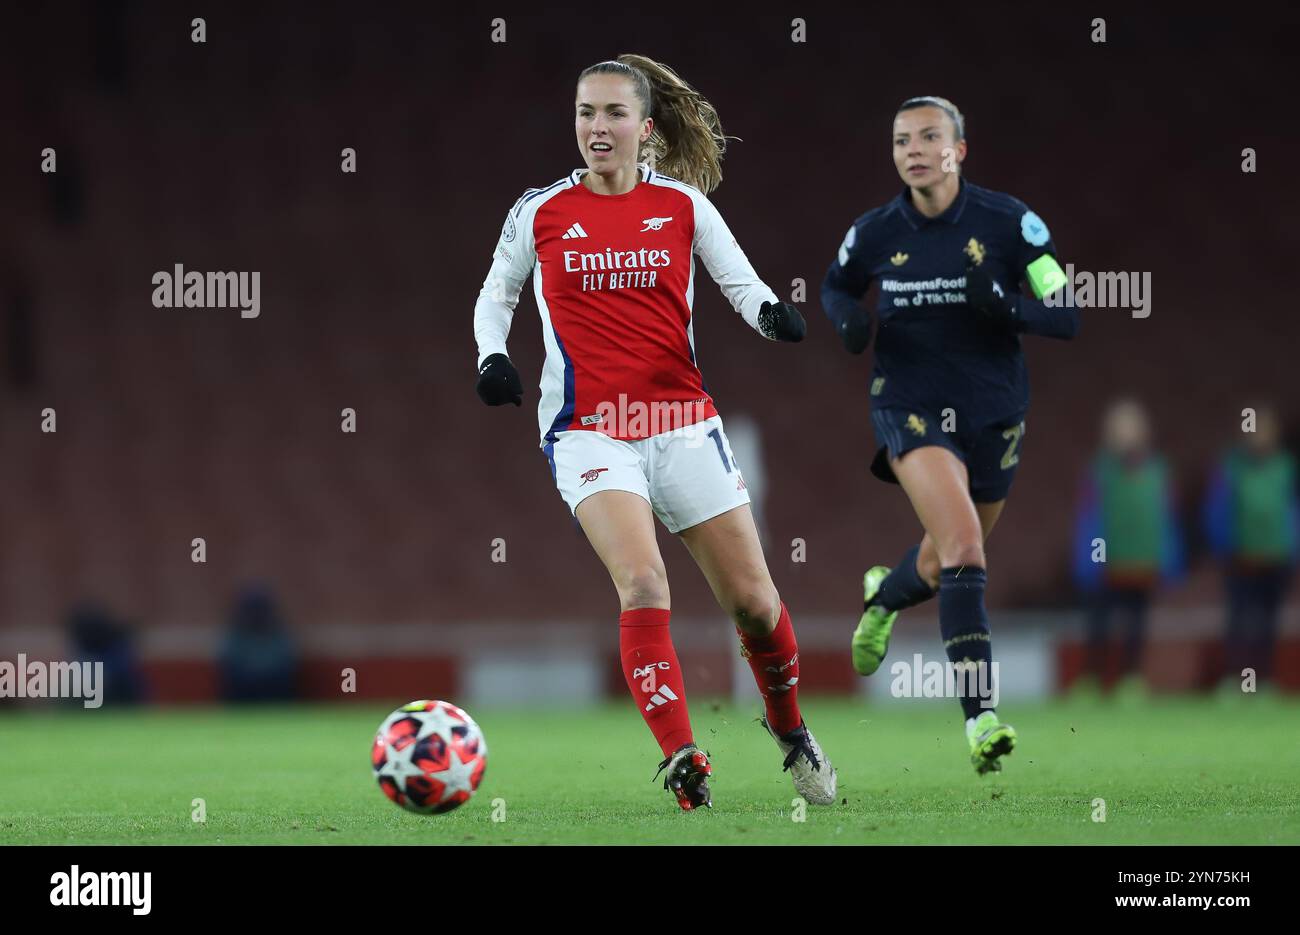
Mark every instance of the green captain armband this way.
pixel 1045 275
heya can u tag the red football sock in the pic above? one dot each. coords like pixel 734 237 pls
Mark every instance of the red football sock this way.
pixel 654 675
pixel 775 661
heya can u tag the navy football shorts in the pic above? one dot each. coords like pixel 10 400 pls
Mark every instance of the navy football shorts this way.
pixel 990 453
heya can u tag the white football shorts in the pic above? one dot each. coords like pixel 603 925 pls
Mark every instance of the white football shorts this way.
pixel 688 475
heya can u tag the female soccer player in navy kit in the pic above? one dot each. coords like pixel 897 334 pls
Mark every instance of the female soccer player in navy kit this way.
pixel 626 424
pixel 949 390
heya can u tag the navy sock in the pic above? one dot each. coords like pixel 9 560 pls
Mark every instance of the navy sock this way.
pixel 965 629
pixel 903 587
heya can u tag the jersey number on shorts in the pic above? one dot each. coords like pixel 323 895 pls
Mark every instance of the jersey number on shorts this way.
pixel 1012 457
pixel 716 435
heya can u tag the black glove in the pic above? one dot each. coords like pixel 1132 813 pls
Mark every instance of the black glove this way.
pixel 498 382
pixel 987 297
pixel 855 332
pixel 781 322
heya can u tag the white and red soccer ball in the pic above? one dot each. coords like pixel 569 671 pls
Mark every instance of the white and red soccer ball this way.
pixel 429 757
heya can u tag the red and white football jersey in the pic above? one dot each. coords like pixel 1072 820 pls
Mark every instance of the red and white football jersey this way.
pixel 614 279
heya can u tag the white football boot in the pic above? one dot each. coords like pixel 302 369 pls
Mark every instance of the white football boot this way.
pixel 813 774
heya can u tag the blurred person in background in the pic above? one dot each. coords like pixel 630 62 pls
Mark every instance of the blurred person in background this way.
pixel 259 659
pixel 1252 522
pixel 1127 543
pixel 97 636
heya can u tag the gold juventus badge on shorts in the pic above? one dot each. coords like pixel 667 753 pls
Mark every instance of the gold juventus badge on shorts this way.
pixel 915 423
pixel 898 259
pixel 877 385
pixel 975 250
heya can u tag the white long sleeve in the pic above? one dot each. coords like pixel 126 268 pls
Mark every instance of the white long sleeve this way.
pixel 512 262
pixel 726 262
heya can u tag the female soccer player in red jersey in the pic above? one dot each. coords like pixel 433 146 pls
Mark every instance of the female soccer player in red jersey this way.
pixel 626 423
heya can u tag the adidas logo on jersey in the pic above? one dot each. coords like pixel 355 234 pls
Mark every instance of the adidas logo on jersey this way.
pixel 574 232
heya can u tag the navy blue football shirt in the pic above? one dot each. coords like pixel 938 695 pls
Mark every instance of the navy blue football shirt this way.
pixel 932 350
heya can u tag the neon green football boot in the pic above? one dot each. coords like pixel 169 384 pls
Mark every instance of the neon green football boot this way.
pixel 871 639
pixel 989 739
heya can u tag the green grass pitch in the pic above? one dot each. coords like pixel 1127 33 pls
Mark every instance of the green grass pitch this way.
pixel 1169 770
